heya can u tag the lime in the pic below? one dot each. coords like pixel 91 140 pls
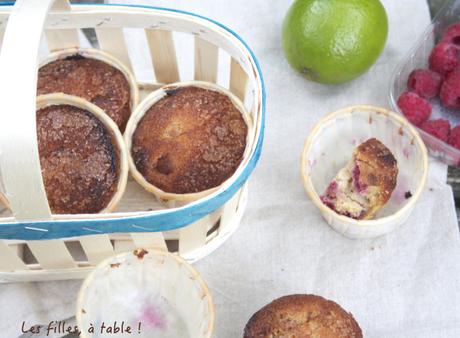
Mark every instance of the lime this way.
pixel 334 41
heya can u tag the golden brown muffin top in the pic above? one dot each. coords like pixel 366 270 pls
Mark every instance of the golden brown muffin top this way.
pixel 91 79
pixel 78 159
pixel 377 168
pixel 302 316
pixel 191 140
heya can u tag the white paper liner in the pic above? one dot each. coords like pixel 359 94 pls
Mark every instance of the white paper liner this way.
pixel 159 290
pixel 330 146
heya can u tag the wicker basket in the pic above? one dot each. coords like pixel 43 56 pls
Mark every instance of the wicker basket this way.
pixel 37 245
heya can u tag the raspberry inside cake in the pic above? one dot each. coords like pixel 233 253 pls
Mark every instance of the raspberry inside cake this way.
pixel 365 184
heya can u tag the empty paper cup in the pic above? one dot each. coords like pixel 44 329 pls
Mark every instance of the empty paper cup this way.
pixel 148 293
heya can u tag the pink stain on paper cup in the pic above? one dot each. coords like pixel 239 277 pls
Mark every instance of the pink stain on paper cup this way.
pixel 151 316
pixel 407 153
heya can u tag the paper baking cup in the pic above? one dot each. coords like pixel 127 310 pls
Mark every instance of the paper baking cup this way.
pixel 156 293
pixel 171 198
pixel 330 146
pixel 97 54
pixel 117 139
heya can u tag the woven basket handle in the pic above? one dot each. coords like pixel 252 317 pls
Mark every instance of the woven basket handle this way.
pixel 19 159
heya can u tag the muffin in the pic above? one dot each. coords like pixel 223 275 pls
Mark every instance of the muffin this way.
pixel 306 316
pixel 79 160
pixel 190 140
pixel 365 184
pixel 91 79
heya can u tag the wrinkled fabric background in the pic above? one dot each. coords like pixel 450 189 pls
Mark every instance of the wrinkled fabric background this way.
pixel 406 284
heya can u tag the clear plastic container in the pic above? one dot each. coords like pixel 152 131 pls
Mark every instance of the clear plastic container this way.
pixel 418 58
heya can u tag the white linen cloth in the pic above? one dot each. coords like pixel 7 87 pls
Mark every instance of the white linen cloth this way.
pixel 405 284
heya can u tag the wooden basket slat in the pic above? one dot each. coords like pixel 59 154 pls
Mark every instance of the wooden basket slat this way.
pixel 112 40
pixel 116 17
pixel 18 250
pixel 20 167
pixel 238 80
pixel 229 211
pixel 123 245
pixel 61 5
pixel 81 18
pixel 62 38
pixel 96 247
pixel 52 254
pixel 154 240
pixel 214 217
pixel 206 60
pixel 147 87
pixel 9 260
pixel 163 54
pixel 193 236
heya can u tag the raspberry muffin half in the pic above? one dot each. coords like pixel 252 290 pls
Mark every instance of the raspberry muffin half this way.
pixel 365 184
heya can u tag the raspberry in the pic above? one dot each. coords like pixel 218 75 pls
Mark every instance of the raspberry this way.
pixel 452 34
pixel 424 82
pixel 450 90
pixel 454 138
pixel 416 109
pixel 443 58
pixel 439 128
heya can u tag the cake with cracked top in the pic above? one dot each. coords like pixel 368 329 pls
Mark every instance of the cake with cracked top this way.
pixel 79 160
pixel 93 80
pixel 306 316
pixel 189 141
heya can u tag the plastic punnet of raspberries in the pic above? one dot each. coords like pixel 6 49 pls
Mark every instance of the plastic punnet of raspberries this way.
pixel 452 34
pixel 439 128
pixel 454 137
pixel 444 58
pixel 424 82
pixel 450 90
pixel 415 108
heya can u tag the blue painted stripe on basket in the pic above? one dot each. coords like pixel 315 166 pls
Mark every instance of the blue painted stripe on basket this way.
pixel 163 220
